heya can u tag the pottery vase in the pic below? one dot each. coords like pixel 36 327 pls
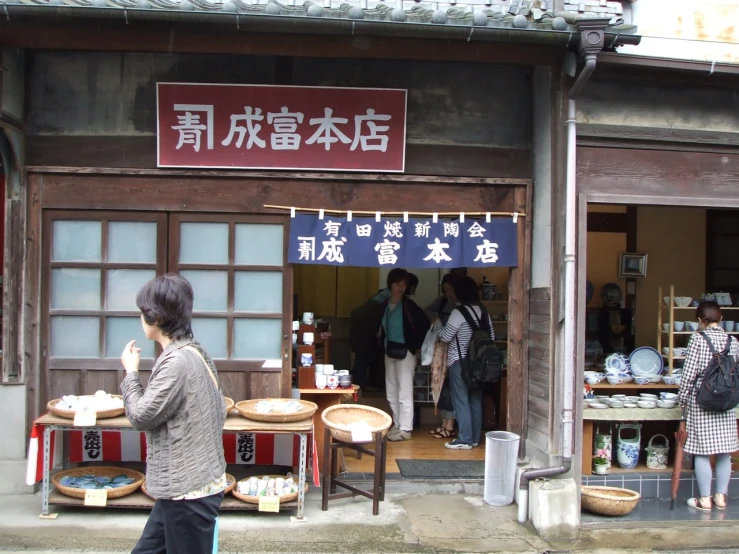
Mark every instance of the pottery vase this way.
pixel 604 441
pixel 627 449
pixel 601 469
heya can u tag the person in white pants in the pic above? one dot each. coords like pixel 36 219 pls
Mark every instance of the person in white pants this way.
pixel 404 327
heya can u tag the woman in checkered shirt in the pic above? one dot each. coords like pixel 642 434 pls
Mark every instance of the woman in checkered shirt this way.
pixel 709 433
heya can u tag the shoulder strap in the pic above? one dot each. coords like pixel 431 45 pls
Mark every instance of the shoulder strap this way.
pixel 468 317
pixel 210 372
pixel 710 344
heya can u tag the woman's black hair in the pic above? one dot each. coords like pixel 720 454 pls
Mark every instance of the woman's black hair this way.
pixel 709 312
pixel 166 302
pixel 396 275
pixel 466 291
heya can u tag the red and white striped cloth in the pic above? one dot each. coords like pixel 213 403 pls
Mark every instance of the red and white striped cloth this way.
pixel 94 445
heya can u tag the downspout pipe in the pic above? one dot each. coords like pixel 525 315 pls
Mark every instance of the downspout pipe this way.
pixel 590 53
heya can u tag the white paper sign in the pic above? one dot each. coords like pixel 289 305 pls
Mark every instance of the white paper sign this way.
pixel 361 432
pixel 269 503
pixel 85 418
pixel 96 497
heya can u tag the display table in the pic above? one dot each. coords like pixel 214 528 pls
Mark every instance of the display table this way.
pixel 233 424
pixel 591 415
pixel 324 398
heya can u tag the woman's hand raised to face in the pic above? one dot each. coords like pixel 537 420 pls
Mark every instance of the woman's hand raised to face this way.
pixel 130 357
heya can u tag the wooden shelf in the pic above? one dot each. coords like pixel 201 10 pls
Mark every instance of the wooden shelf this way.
pixel 674 357
pixel 141 501
pixel 608 386
pixel 694 307
pixel 694 332
pixel 641 467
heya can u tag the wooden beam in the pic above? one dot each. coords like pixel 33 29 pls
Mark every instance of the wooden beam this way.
pixel 88 153
pixel 250 195
pixel 180 37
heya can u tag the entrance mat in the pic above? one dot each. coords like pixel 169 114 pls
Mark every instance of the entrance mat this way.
pixel 441 469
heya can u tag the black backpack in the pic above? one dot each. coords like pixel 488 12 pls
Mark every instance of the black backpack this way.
pixel 719 390
pixel 483 365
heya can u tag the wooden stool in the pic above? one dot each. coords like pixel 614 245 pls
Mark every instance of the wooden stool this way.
pixel 331 471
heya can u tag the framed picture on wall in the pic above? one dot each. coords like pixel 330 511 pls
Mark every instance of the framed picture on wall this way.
pixel 632 265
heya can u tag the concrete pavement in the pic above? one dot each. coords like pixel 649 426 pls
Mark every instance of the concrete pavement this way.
pixel 415 518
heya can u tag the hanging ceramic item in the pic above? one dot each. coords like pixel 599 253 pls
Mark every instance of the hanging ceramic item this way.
pixel 657 454
pixel 611 295
pixel 604 443
pixel 627 449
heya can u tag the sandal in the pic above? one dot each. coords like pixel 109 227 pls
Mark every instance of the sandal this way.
pixel 444 434
pixel 696 503
pixel 436 431
pixel 721 506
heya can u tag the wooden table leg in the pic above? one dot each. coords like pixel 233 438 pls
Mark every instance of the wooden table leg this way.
pixel 326 468
pixel 587 446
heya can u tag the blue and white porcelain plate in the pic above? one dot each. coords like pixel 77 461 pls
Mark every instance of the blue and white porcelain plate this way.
pixel 646 361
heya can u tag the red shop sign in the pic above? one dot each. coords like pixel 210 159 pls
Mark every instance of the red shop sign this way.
pixel 280 127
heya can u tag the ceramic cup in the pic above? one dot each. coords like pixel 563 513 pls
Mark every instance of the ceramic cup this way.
pixel 666 327
pixel 308 318
pixel 332 381
pixel 691 325
pixel 678 326
pixel 319 368
pixel 343 372
pixel 328 369
pixel 729 326
pixel 321 381
pixel 308 338
pixel 296 326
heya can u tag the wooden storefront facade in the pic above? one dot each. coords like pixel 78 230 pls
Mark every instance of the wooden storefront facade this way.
pixel 91 158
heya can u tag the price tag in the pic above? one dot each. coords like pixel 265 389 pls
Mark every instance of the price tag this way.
pixel 362 433
pixel 269 504
pixel 96 497
pixel 85 419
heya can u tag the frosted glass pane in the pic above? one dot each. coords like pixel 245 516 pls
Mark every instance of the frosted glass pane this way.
pixel 210 289
pixel 119 331
pixel 211 333
pixel 124 285
pixel 257 339
pixel 258 244
pixel 132 241
pixel 204 243
pixel 75 289
pixel 75 337
pixel 258 291
pixel 76 241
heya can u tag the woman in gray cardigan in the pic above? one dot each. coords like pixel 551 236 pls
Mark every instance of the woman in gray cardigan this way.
pixel 182 412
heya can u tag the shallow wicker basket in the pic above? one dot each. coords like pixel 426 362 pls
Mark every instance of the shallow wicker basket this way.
pixel 608 501
pixel 339 418
pixel 255 499
pixel 247 409
pixel 103 471
pixel 229 479
pixel 69 414
pixel 229 405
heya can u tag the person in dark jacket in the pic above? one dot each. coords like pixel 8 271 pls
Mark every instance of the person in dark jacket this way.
pixel 404 327
pixel 364 339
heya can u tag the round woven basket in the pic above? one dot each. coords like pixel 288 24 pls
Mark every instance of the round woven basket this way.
pixel 255 499
pixel 102 471
pixel 69 414
pixel 247 409
pixel 229 479
pixel 339 419
pixel 608 501
pixel 229 405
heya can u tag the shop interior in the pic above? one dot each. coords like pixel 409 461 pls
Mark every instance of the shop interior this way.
pixel 647 269
pixel 330 293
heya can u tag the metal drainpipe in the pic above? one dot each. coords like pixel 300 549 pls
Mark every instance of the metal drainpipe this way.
pixel 589 48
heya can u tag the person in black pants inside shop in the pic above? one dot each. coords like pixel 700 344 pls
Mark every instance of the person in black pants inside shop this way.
pixel 182 412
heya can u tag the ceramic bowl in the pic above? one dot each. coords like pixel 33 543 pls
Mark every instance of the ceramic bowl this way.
pixel 691 325
pixel 682 301
pixel 614 380
pixel 668 396
pixel 616 404
pixel 670 380
pixel 666 327
pixel 642 380
pixel 648 396
pixel 678 326
pixel 666 403
pixel 728 326
pixel 646 404
pixel 633 399
pixel 620 397
pixel 667 300
pixel 598 405
pixel 630 405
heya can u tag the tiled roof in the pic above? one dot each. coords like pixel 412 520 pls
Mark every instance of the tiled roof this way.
pixel 513 14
